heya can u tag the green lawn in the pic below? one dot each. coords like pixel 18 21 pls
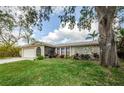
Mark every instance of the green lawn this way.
pixel 59 72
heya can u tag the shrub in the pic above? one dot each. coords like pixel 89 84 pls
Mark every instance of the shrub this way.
pixel 50 56
pixel 76 56
pixel 82 56
pixel 40 57
pixel 62 56
pixel 9 51
pixel 96 55
pixel 121 55
pixel 87 56
pixel 56 55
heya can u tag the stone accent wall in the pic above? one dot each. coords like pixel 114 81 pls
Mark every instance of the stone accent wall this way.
pixel 80 50
pixel 84 50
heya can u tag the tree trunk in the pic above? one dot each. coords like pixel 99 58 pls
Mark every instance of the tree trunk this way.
pixel 108 51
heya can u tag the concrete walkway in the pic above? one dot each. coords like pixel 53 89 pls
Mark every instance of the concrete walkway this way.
pixel 8 60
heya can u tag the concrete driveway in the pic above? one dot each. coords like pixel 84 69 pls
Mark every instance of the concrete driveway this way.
pixel 8 60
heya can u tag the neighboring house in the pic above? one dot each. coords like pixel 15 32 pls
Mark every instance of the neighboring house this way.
pixel 67 49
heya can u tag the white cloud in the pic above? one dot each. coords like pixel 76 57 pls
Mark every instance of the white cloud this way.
pixel 21 42
pixel 63 35
pixel 58 9
pixel 33 35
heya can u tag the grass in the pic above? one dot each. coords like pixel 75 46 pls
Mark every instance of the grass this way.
pixel 59 72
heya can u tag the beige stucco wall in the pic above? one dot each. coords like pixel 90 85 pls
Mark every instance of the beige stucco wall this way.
pixel 73 50
pixel 84 49
pixel 42 50
pixel 31 53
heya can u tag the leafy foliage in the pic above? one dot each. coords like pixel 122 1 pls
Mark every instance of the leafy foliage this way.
pixel 120 43
pixel 24 19
pixel 7 23
pixel 39 57
pixel 120 14
pixel 9 51
pixel 121 38
pixel 68 17
pixel 44 15
pixel 87 16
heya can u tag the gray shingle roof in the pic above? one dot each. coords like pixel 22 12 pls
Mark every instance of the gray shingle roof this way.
pixel 79 43
pixel 37 43
pixel 88 43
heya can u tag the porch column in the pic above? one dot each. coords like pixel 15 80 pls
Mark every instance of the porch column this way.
pixel 56 50
pixel 60 51
pixel 70 51
pixel 65 51
pixel 42 50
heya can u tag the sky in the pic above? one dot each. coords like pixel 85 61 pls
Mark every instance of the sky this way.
pixel 52 31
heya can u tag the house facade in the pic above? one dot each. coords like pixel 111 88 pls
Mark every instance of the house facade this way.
pixel 66 49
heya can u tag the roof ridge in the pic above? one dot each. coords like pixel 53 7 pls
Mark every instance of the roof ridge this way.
pixel 95 42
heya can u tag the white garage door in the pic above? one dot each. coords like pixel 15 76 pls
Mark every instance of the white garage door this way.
pixel 29 52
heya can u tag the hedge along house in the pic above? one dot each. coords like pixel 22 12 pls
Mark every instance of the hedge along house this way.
pixel 67 49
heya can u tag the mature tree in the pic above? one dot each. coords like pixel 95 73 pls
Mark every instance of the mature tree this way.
pixel 21 18
pixel 26 21
pixel 92 35
pixel 107 42
pixel 6 27
pixel 105 16
pixel 32 17
pixel 27 37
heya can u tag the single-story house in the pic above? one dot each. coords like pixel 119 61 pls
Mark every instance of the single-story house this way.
pixel 67 49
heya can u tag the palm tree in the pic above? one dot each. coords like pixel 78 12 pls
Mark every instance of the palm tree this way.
pixel 92 35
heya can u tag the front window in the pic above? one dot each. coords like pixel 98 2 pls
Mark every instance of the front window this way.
pixel 38 51
pixel 67 51
pixel 58 51
pixel 62 51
